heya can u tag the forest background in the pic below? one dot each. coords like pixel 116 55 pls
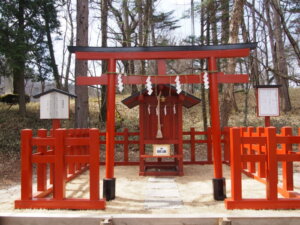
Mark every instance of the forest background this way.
pixel 34 36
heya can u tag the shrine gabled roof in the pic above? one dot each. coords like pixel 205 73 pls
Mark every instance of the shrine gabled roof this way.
pixel 188 102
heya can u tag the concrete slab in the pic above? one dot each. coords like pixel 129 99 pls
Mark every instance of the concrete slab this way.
pixel 161 179
pixel 163 193
pixel 161 185
pixel 166 204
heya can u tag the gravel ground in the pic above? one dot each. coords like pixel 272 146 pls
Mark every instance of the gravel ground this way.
pixel 195 192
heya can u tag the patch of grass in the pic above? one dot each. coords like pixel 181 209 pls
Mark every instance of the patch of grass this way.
pixel 11 123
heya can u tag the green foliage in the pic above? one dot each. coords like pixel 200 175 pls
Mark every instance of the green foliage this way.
pixel 23 36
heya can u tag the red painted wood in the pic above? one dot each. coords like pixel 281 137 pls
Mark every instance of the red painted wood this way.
pixel 192 140
pixel 26 164
pixel 287 167
pixel 262 204
pixel 267 121
pixel 164 79
pixel 251 165
pixel 126 144
pixel 226 145
pixel 94 164
pixel 55 124
pixel 235 167
pixel 82 141
pixel 61 204
pixel 85 156
pixel 43 141
pixel 209 145
pixel 272 172
pixel 43 158
pixel 110 124
pixel 179 136
pixel 42 167
pixel 161 66
pixel 215 118
pixel 59 168
pixel 162 55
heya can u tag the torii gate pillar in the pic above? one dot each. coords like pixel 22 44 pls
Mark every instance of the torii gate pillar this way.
pixel 109 182
pixel 218 181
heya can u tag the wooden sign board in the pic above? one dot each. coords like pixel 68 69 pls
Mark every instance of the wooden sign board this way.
pixel 161 150
pixel 268 101
pixel 54 105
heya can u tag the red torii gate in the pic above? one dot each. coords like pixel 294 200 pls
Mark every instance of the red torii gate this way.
pixel 211 53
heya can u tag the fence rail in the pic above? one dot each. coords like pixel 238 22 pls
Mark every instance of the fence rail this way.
pixel 192 138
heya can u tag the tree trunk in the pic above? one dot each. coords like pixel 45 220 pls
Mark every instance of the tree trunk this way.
pixel 203 94
pixel 81 67
pixel 104 16
pixel 225 21
pixel 69 12
pixel 276 6
pixel 50 47
pixel 19 69
pixel 281 61
pixel 213 22
pixel 228 96
pixel 253 58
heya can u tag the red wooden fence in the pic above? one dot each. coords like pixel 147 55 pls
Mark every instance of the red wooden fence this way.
pixel 65 154
pixel 250 147
pixel 192 138
pixel 68 153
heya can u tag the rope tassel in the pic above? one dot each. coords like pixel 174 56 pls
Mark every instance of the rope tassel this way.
pixel 178 85
pixel 149 85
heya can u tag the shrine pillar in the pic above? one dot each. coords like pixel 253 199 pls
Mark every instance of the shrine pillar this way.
pixel 218 180
pixel 109 182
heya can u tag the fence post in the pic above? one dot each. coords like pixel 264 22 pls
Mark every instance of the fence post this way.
pixel 251 165
pixel 192 135
pixel 261 165
pixel 287 167
pixel 94 147
pixel 236 164
pixel 126 143
pixel 244 133
pixel 59 167
pixel 209 145
pixel 71 166
pixel 26 164
pixel 226 145
pixel 272 173
pixel 42 167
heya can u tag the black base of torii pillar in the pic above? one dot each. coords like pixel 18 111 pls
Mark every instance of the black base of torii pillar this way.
pixel 109 189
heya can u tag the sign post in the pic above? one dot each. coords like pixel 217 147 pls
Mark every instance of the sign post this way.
pixel 267 97
pixel 55 105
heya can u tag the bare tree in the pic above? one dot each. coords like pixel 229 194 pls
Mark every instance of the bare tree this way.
pixel 228 95
pixel 104 18
pixel 69 23
pixel 81 67
pixel 281 63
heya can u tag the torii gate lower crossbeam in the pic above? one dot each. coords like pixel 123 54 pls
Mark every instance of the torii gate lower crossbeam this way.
pixel 211 53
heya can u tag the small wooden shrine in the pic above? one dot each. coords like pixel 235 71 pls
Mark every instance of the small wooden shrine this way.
pixel 160 121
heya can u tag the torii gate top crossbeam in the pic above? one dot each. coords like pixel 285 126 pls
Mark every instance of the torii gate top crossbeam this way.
pixel 162 52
